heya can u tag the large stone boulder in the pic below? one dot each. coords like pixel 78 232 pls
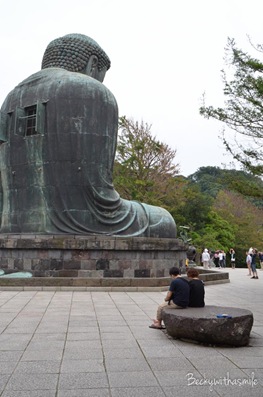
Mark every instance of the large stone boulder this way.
pixel 203 324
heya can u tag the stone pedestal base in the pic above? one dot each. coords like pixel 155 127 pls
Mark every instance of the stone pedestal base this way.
pixel 91 256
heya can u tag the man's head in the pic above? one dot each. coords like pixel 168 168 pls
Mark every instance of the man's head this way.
pixel 77 53
pixel 174 271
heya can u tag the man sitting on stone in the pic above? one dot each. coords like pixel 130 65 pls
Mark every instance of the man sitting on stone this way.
pixel 177 297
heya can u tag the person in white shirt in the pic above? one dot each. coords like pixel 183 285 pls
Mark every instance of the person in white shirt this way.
pixel 221 256
pixel 205 258
pixel 248 262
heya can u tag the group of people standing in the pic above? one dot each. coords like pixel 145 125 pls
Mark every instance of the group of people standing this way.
pixel 251 258
pixel 217 259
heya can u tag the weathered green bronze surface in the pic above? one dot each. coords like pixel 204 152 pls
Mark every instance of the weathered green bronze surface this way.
pixel 58 134
pixel 16 275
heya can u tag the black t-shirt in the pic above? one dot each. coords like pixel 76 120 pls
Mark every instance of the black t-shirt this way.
pixel 197 293
pixel 180 289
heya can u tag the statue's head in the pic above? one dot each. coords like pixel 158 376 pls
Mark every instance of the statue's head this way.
pixel 191 253
pixel 77 53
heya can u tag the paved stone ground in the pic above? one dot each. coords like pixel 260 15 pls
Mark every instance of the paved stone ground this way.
pixel 87 344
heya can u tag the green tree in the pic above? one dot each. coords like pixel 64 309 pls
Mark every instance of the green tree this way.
pixel 214 202
pixel 145 170
pixel 237 201
pixel 213 179
pixel 144 167
pixel 208 179
pixel 243 110
pixel 218 233
pixel 196 206
pixel 245 218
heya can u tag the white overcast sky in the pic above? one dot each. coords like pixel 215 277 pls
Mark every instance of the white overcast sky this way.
pixel 164 55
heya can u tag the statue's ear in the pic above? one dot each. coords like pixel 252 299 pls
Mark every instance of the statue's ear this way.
pixel 91 67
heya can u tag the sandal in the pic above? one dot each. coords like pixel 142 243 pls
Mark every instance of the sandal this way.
pixel 154 326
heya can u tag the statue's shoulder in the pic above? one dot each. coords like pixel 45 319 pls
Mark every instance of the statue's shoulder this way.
pixel 56 82
pixel 58 75
pixel 65 81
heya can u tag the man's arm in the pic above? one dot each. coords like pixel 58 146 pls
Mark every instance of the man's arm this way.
pixel 168 296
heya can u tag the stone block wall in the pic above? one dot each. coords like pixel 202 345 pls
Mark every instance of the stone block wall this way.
pixel 90 256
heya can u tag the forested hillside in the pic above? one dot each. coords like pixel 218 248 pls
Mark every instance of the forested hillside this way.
pixel 223 208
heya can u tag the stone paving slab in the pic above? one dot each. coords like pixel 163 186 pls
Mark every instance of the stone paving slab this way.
pixel 98 344
pixel 29 393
